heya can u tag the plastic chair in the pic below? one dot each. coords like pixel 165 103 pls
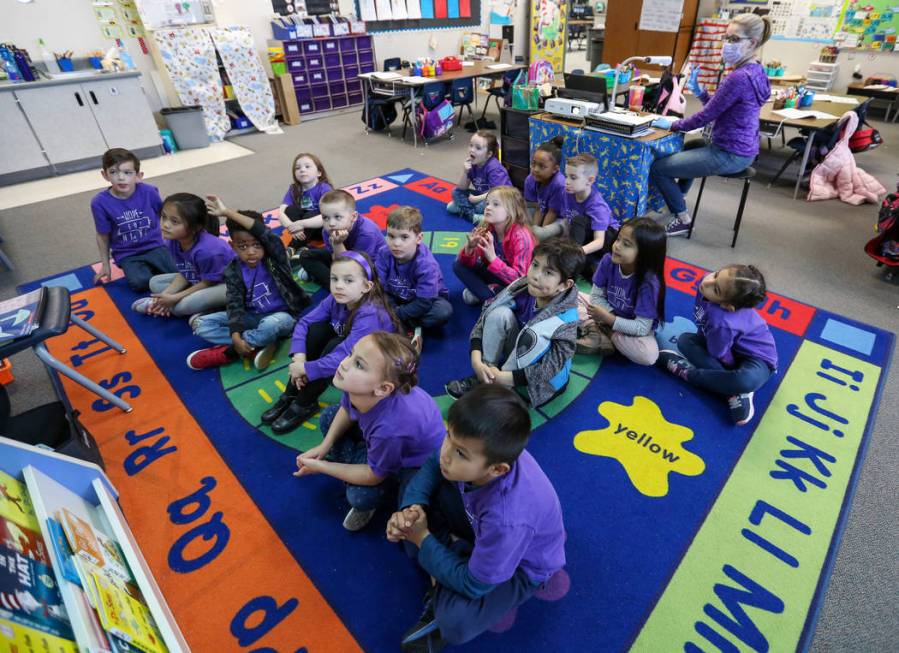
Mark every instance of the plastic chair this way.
pixel 394 63
pixel 499 93
pixel 577 71
pixel 54 315
pixel 462 95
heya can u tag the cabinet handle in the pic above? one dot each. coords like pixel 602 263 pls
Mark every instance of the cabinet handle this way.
pixel 93 97
pixel 80 101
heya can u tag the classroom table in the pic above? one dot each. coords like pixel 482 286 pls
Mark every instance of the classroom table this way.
pixel 890 94
pixel 785 80
pixel 402 86
pixel 624 163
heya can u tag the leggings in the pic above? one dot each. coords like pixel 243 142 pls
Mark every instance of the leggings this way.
pixel 321 339
pixel 202 301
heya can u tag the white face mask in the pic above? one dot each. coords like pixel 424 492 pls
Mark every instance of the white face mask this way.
pixel 733 52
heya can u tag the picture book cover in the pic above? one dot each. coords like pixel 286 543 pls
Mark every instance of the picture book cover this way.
pixel 18 316
pixel 81 537
pixel 17 638
pixel 15 504
pixel 123 616
pixel 24 540
pixel 114 564
pixel 101 640
pixel 63 553
pixel 29 595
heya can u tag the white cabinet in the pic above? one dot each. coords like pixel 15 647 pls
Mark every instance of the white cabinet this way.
pixel 121 111
pixel 20 147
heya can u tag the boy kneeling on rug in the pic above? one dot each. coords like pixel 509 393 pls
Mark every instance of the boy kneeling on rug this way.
pixel 263 300
pixel 486 520
pixel 526 335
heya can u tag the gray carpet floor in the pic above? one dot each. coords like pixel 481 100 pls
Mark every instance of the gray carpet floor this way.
pixel 811 252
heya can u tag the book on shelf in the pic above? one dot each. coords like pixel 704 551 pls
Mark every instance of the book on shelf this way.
pixel 17 638
pixel 81 537
pixel 15 505
pixel 24 540
pixel 62 553
pixel 125 617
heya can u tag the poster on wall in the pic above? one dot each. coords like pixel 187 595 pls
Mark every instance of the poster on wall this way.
pixel 661 15
pixel 548 33
pixel 394 15
pixel 869 26
pixel 502 12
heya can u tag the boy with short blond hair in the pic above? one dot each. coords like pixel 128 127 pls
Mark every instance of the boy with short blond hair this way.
pixel 589 219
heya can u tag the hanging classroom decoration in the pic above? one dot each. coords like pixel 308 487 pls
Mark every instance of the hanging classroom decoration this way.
pixel 392 15
pixel 548 33
pixel 869 26
pixel 502 12
pixel 107 19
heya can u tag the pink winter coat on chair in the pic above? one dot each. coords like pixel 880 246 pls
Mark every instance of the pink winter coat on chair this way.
pixel 838 176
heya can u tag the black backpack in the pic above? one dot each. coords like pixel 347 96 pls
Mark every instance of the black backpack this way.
pixel 380 114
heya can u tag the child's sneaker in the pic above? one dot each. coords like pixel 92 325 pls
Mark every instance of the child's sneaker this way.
pixel 142 305
pixel 302 275
pixel 425 635
pixel 203 359
pixel 452 209
pixel 677 227
pixel 674 363
pixel 264 356
pixel 741 408
pixel 470 298
pixel 356 519
pixel 417 340
pixel 459 387
pixel 192 321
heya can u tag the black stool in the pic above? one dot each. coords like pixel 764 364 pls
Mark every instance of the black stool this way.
pixel 746 175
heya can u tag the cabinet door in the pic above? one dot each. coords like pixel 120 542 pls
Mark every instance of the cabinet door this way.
pixel 122 112
pixel 21 149
pixel 63 122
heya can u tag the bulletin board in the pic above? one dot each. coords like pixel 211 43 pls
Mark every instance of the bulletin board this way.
pixel 805 20
pixel 548 19
pixel 393 15
pixel 869 25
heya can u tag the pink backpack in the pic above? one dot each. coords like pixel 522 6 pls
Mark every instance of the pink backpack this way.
pixel 674 101
pixel 435 122
pixel 541 72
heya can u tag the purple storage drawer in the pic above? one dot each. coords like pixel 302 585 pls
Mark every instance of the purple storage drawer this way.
pixel 349 72
pixel 315 61
pixel 348 44
pixel 296 65
pixel 304 99
pixel 319 91
pixel 355 98
pixel 332 60
pixel 331 45
pixel 366 58
pixel 312 47
pixel 321 103
pixel 335 74
pixel 367 66
pixel 349 58
pixel 353 86
pixel 292 49
pixel 338 101
pixel 317 76
pixel 363 43
pixel 337 88
pixel 300 79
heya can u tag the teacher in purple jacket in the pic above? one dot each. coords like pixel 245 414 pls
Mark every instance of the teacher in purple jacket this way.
pixel 735 111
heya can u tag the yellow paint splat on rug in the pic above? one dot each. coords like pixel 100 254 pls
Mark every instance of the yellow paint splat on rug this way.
pixel 647 445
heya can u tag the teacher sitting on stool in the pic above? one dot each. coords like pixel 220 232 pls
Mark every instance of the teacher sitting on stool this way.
pixel 735 111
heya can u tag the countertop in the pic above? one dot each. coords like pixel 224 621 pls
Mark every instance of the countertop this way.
pixel 69 78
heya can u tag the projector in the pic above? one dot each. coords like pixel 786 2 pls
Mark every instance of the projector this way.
pixel 571 108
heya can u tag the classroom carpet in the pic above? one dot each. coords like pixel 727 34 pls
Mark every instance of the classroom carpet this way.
pixel 683 530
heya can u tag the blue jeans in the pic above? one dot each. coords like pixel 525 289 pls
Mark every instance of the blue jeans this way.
pixel 674 174
pixel 438 314
pixel 749 375
pixel 476 279
pixel 139 268
pixel 466 208
pixel 260 329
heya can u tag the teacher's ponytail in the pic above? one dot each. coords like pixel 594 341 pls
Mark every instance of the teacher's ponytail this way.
pixel 757 28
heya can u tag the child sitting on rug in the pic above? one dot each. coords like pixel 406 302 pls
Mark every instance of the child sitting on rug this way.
pixel 411 276
pixel 734 352
pixel 526 336
pixel 498 251
pixel 486 520
pixel 344 230
pixel 587 218
pixel 263 299
pixel 126 217
pixel 627 301
pixel 325 335
pixel 546 186
pixel 299 212
pixel 200 258
pixel 382 430
pixel 482 171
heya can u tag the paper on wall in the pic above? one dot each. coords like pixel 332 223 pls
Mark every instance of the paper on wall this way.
pixel 661 15
pixel 367 9
pixel 384 10
pixel 398 8
pixel 413 7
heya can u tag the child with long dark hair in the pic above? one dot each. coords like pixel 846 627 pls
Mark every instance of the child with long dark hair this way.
pixel 627 301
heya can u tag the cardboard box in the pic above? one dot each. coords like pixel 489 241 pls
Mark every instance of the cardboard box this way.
pixel 285 99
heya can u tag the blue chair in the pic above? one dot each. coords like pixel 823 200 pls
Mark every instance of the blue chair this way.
pixel 577 71
pixel 462 95
pixel 394 63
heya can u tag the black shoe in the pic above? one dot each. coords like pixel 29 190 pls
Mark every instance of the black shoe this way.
pixel 424 636
pixel 431 643
pixel 292 417
pixel 459 387
pixel 275 411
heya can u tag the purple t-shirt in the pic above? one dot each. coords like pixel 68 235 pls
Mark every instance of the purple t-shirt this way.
pixel 629 299
pixel 400 431
pixel 517 522
pixel 263 295
pixel 734 334
pixel 132 224
pixel 309 199
pixel 364 236
pixel 525 308
pixel 490 175
pixel 419 277
pixel 206 260
pixel 594 207
pixel 550 195
pixel 368 319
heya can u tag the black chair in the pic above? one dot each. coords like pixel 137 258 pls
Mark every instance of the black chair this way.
pixel 499 93
pixel 747 176
pixel 380 101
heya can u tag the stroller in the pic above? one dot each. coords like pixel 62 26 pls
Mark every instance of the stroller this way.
pixel 884 247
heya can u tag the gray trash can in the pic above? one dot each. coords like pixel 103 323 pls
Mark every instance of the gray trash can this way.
pixel 596 38
pixel 187 126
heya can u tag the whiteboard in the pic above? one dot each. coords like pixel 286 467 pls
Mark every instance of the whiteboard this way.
pixel 661 15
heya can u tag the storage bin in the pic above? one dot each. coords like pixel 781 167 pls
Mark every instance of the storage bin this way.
pixel 317 76
pixel 312 47
pixel 339 101
pixel 315 61
pixel 188 126
pixel 331 46
pixel 321 103
pixel 239 122
pixel 292 50
pixel 281 33
pixel 354 98
pixel 348 44
pixel 353 86
pixel 337 88
pixel 335 74
pixel 300 79
pixel 319 91
pixel 349 72
pixel 363 43
pixel 296 65
pixel 367 67
pixel 304 100
pixel 366 58
pixel 349 58
pixel 332 60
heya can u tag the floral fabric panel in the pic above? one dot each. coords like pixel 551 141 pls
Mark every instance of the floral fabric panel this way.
pixel 248 78
pixel 189 57
pixel 624 163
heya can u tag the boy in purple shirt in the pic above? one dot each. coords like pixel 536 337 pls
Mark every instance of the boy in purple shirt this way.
pixel 382 430
pixel 482 171
pixel 343 230
pixel 126 217
pixel 734 353
pixel 485 490
pixel 588 218
pixel 411 276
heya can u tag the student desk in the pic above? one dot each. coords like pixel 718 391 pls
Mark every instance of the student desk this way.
pixel 890 94
pixel 402 86
pixel 624 163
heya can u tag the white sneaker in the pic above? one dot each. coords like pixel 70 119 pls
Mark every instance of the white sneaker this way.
pixel 142 305
pixel 302 275
pixel 677 227
pixel 356 520
pixel 417 340
pixel 470 298
pixel 452 208
pixel 192 321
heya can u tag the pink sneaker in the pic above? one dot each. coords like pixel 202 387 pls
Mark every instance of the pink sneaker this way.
pixel 203 359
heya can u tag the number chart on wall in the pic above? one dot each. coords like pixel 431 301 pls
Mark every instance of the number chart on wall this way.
pixel 805 20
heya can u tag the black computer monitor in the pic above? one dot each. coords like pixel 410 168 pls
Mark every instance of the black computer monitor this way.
pixel 586 87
